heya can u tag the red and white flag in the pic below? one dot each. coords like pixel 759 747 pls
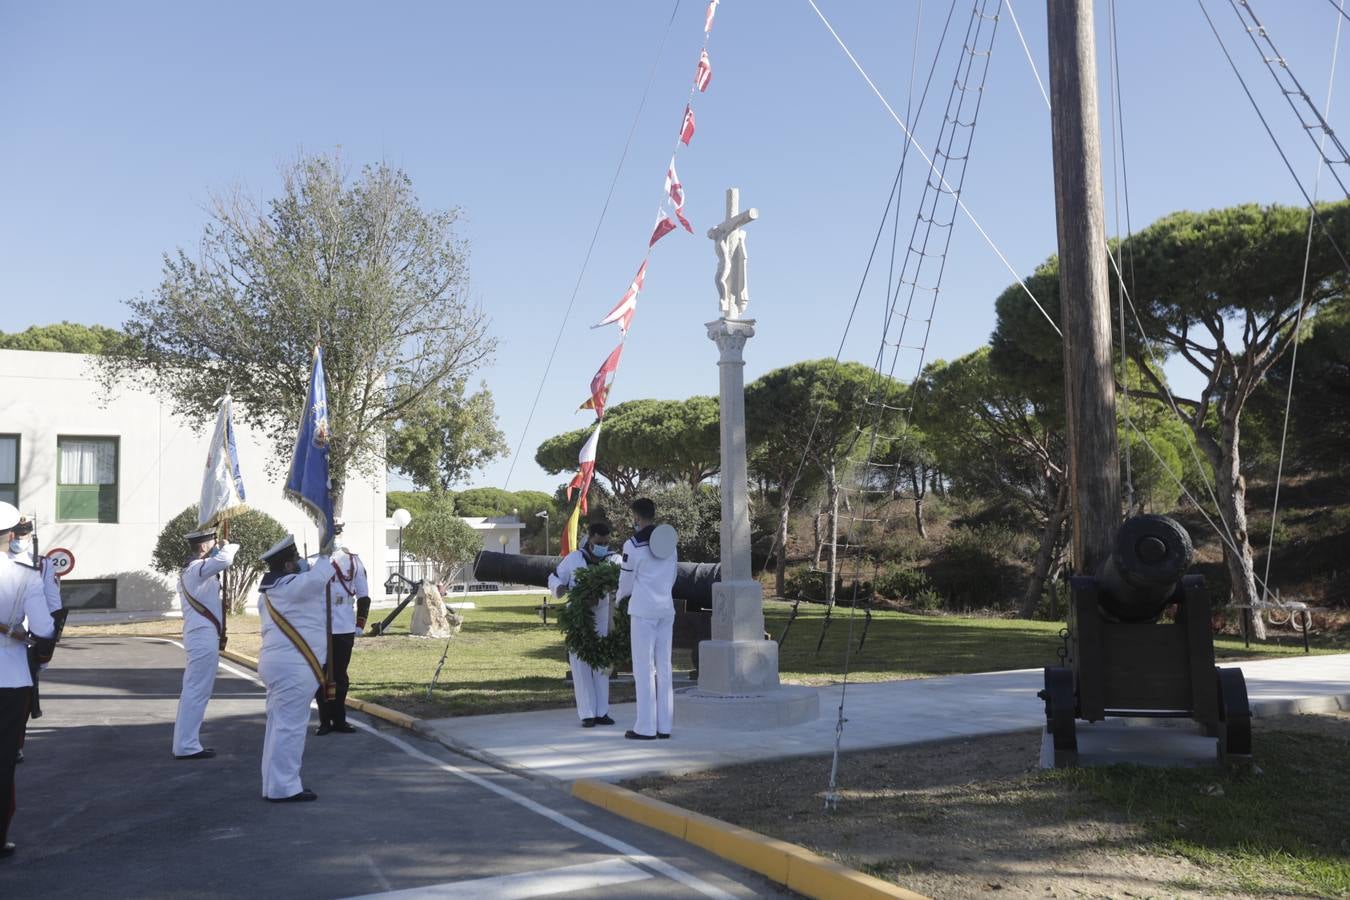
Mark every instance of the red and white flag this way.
pixel 703 75
pixel 687 129
pixel 675 190
pixel 586 458
pixel 663 227
pixel 627 305
pixel 708 18
pixel 600 384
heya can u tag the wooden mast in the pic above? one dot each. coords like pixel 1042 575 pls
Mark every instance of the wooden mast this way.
pixel 1085 312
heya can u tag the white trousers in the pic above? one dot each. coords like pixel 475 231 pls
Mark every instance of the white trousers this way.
pixel 290 690
pixel 652 675
pixel 591 687
pixel 199 678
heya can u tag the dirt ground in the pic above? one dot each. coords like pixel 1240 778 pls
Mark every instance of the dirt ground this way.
pixel 964 818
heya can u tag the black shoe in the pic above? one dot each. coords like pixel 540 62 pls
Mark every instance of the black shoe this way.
pixel 344 728
pixel 634 736
pixel 19 758
pixel 208 753
pixel 7 849
pixel 303 797
pixel 588 723
pixel 604 720
pixel 323 729
pixel 663 735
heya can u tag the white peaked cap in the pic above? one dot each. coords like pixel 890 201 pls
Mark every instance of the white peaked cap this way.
pixel 281 546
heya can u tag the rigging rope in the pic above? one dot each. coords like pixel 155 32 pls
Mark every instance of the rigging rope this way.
pixel 910 137
pixel 1298 322
pixel 953 121
pixel 562 326
pixel 1117 168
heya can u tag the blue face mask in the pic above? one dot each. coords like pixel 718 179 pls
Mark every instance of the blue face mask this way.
pixel 214 551
pixel 16 546
pixel 599 552
pixel 303 565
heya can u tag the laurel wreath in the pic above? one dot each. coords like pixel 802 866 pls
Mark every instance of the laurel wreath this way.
pixel 577 619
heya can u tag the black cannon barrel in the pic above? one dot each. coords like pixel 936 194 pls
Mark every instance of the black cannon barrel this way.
pixel 1140 577
pixel 693 581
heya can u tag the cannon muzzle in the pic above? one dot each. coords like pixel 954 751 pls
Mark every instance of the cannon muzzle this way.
pixel 1139 579
pixel 693 581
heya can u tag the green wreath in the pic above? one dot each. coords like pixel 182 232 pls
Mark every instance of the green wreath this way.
pixel 577 618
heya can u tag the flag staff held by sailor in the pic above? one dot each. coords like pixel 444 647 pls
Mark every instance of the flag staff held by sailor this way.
pixel 204 602
pixel 24 620
pixel 295 607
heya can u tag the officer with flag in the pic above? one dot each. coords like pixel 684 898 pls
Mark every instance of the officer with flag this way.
pixel 23 549
pixel 203 636
pixel 351 605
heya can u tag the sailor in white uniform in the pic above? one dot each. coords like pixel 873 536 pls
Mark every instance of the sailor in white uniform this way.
pixel 590 685
pixel 20 549
pixel 24 619
pixel 351 605
pixel 647 577
pixel 291 607
pixel 203 636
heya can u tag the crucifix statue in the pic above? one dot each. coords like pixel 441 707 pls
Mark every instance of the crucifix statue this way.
pixel 729 241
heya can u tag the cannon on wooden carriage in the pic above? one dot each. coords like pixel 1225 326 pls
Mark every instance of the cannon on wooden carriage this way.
pixel 692 590
pixel 1120 659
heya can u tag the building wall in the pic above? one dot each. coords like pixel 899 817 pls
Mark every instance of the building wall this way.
pixel 160 467
pixel 499 535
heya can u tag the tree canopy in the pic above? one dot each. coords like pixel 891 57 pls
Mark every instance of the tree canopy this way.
pixel 443 440
pixel 354 263
pixel 64 337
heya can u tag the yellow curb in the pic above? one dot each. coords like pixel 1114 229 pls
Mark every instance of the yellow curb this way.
pixel 788 864
pixel 393 716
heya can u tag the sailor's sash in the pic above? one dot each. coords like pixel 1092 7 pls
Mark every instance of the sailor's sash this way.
pixel 203 610
pixel 297 640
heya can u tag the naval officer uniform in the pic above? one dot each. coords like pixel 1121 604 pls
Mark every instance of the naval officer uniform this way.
pixel 23 618
pixel 590 685
pixel 292 607
pixel 351 605
pixel 203 637
pixel 647 577
pixel 21 550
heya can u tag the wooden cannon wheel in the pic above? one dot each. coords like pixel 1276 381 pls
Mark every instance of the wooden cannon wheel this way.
pixel 1060 713
pixel 1235 715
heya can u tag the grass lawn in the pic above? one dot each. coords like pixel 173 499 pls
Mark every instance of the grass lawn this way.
pixel 971 816
pixel 504 660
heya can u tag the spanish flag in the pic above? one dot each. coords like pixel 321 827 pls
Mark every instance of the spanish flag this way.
pixel 569 535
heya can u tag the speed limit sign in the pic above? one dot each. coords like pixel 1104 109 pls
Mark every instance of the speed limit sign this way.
pixel 62 560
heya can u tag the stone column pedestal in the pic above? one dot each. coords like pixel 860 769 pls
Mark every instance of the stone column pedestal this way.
pixel 738 669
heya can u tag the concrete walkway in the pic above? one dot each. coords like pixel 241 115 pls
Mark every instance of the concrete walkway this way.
pixel 552 744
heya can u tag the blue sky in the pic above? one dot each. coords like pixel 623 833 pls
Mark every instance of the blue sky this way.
pixel 117 122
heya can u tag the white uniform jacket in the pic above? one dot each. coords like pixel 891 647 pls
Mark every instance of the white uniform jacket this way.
pixel 645 579
pixel 22 605
pixel 51 588
pixel 200 578
pixel 300 598
pixel 351 582
pixel 564 579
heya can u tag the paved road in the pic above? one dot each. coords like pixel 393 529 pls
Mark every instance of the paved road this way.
pixel 105 811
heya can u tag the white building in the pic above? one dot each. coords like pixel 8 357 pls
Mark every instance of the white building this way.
pixel 103 479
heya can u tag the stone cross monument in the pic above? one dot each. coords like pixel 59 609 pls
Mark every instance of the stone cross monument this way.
pixel 738 669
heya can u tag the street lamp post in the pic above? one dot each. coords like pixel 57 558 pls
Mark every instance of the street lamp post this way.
pixel 401 518
pixel 543 514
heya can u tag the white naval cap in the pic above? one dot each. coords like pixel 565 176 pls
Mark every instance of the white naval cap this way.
pixel 202 534
pixel 9 516
pixel 280 547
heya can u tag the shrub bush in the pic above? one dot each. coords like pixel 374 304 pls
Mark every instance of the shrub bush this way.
pixel 976 567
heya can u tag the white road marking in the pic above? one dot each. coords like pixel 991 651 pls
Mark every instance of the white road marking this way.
pixel 628 851
pixel 524 885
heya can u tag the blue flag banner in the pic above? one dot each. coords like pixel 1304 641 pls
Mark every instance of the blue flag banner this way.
pixel 309 485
